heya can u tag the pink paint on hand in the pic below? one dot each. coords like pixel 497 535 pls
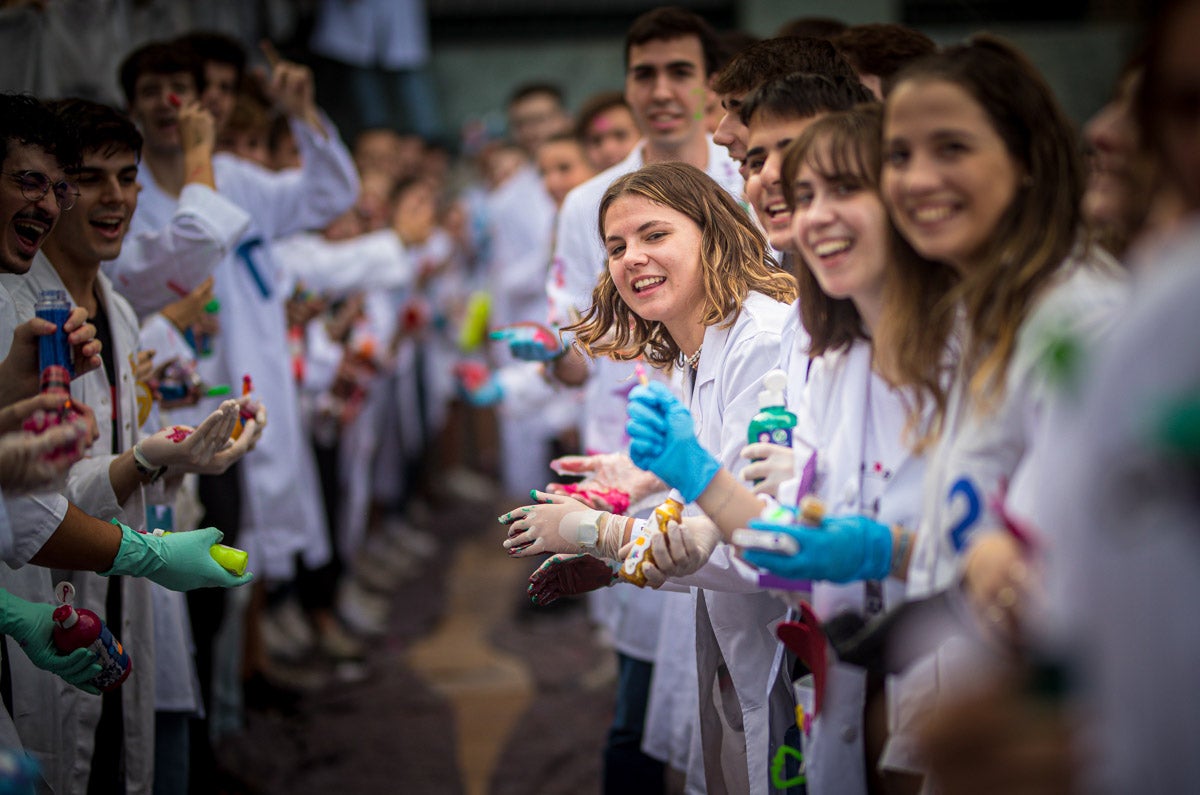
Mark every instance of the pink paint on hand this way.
pixel 179 433
pixel 617 499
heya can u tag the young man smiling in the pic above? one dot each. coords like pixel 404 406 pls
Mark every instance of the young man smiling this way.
pixel 122 471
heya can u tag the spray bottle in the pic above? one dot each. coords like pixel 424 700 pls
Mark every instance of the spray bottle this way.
pixel 78 628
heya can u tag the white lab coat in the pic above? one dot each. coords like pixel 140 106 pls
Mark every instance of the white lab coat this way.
pixel 521 225
pixel 57 722
pixel 735 627
pixel 282 511
pixel 1118 511
pixel 978 454
pixel 855 422
pixel 577 263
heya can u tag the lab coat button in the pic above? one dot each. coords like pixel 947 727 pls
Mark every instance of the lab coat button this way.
pixel 849 734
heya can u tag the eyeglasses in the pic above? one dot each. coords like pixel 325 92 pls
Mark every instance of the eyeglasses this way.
pixel 34 185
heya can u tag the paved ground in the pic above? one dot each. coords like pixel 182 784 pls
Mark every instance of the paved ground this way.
pixel 469 692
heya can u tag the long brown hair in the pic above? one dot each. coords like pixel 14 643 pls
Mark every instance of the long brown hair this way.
pixel 914 328
pixel 1042 224
pixel 734 260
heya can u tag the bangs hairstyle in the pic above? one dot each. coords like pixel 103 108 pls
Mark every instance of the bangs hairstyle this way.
pixel 918 311
pixel 99 128
pixel 842 148
pixel 734 261
pixel 1042 224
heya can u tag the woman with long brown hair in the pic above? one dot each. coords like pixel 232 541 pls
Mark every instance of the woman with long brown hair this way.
pixel 691 288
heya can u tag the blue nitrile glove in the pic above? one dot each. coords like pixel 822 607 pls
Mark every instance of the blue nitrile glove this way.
pixel 530 342
pixel 663 441
pixel 179 561
pixel 843 549
pixel 31 625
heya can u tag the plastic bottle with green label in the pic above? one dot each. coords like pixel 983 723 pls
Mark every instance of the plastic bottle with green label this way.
pixel 773 423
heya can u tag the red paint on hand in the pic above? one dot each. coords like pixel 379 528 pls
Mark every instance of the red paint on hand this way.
pixel 179 433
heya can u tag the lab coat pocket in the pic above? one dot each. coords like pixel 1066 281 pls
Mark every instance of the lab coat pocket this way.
pixel 833 755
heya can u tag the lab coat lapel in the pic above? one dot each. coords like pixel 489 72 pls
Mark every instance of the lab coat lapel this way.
pixel 703 403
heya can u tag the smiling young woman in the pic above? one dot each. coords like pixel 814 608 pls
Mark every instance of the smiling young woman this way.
pixel 691 232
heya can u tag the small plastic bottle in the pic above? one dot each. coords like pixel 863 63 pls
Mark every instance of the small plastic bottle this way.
pixel 773 423
pixel 79 628
pixel 232 559
pixel 640 554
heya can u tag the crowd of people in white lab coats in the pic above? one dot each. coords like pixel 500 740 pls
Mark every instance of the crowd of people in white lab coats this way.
pixel 958 567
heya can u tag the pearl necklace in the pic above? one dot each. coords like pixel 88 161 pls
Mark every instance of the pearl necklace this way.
pixel 693 360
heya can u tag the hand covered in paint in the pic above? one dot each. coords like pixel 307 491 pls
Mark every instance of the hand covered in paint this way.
pixel 186 448
pixel 33 461
pixel 843 549
pixel 682 550
pixel 663 441
pixel 478 385
pixel 530 342
pixel 770 465
pixel 13 416
pixel 550 525
pixel 569 575
pixel 179 561
pixel 31 625
pixel 254 416
pixel 606 472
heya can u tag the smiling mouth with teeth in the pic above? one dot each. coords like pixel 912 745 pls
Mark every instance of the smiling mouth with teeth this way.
pixel 29 231
pixel 647 281
pixel 929 215
pixel 828 248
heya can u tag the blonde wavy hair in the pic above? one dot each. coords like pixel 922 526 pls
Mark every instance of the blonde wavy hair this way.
pixel 734 259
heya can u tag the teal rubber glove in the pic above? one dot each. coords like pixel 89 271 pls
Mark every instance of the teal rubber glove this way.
pixel 530 342
pixel 179 561
pixel 663 441
pixel 843 549
pixel 31 625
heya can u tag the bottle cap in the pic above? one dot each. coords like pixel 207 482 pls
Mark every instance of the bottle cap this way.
pixel 65 616
pixel 774 388
pixel 219 390
pixel 213 306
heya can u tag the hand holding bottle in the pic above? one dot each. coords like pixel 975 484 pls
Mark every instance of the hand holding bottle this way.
pixel 31 625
